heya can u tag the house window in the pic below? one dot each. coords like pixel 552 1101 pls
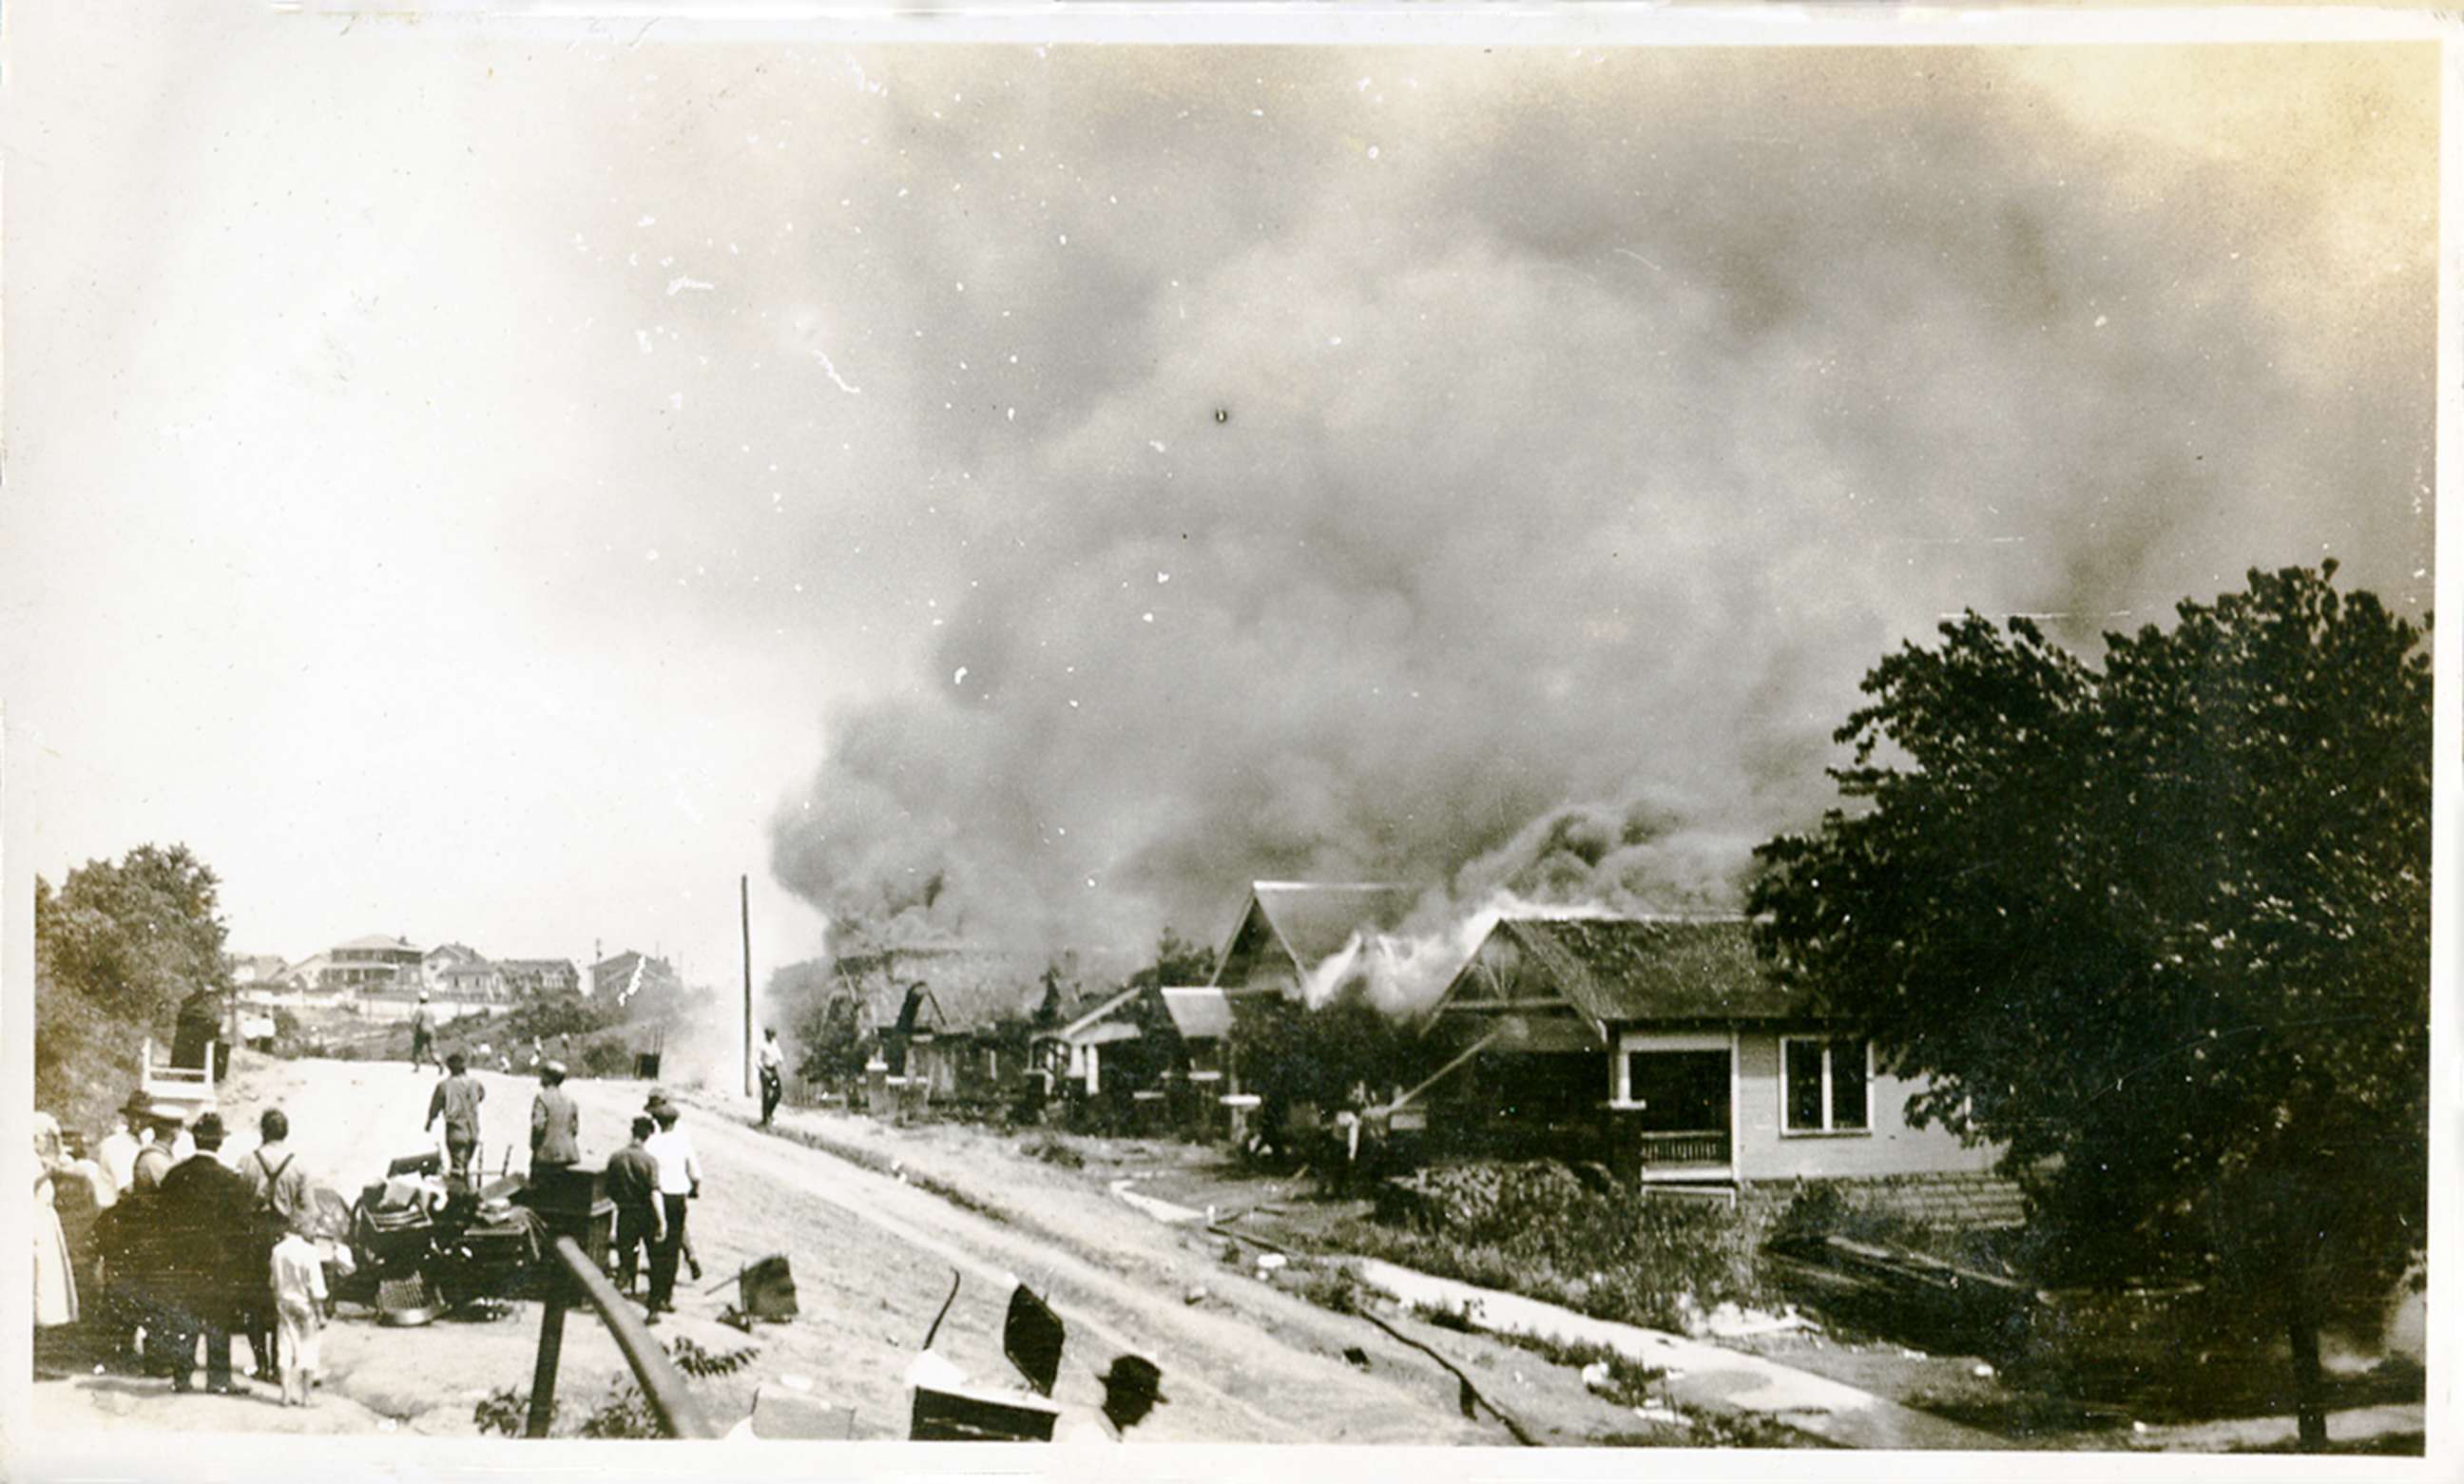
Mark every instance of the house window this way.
pixel 1826 1086
pixel 1678 1092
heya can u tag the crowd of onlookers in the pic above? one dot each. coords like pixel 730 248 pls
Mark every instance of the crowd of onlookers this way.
pixel 166 1236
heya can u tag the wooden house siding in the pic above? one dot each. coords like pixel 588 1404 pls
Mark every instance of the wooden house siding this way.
pixel 1890 1146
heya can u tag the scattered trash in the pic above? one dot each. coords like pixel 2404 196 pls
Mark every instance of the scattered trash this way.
pixel 1357 1356
pixel 2138 1426
pixel 1663 1412
pixel 1595 1376
pixel 1195 1296
pixel 1268 1262
pixel 1912 1355
pixel 1981 1371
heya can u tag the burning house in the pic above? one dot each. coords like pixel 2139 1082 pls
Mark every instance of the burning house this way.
pixel 1665 1048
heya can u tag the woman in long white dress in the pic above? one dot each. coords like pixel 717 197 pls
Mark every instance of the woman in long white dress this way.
pixel 56 1298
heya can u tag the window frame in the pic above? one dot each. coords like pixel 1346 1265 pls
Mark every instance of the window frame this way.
pixel 1829 1046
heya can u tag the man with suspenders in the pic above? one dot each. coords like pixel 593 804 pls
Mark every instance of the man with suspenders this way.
pixel 281 1189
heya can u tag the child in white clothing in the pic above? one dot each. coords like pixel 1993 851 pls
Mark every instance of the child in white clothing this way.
pixel 299 1312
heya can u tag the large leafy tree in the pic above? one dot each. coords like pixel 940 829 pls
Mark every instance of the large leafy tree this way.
pixel 117 946
pixel 2159 926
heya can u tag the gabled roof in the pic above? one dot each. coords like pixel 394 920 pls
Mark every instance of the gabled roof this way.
pixel 1088 1024
pixel 1641 969
pixel 1198 1013
pixel 378 941
pixel 460 953
pixel 1314 919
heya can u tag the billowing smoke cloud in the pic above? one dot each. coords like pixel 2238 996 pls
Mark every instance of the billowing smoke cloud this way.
pixel 1505 492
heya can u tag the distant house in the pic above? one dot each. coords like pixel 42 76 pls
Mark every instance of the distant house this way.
pixel 539 976
pixel 631 973
pixel 1665 1047
pixel 368 961
pixel 296 988
pixel 457 971
pixel 255 968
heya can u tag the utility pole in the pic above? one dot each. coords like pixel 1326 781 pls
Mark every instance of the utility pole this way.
pixel 744 901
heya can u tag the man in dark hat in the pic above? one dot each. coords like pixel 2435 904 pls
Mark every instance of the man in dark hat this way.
pixel 1132 1388
pixel 207 1210
pixel 556 1123
pixel 457 1100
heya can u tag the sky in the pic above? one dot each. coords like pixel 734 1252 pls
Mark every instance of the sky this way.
pixel 504 488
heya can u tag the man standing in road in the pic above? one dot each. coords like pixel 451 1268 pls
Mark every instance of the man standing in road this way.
pixel 641 1219
pixel 207 1210
pixel 422 1034
pixel 679 1181
pixel 281 1188
pixel 556 1123
pixel 457 1100
pixel 773 1063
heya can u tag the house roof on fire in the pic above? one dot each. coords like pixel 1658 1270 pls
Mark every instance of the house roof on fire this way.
pixel 1628 969
pixel 965 988
pixel 1311 921
pixel 1198 1013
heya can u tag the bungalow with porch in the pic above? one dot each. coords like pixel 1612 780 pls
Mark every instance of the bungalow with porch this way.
pixel 1287 931
pixel 1665 1048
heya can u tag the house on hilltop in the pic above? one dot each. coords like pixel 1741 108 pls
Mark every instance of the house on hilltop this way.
pixel 538 977
pixel 365 963
pixel 1667 1049
pixel 457 971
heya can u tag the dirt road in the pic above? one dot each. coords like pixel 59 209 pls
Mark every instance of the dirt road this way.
pixel 873 1258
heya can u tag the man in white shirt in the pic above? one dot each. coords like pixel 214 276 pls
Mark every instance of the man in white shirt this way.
pixel 773 1064
pixel 117 1151
pixel 672 1149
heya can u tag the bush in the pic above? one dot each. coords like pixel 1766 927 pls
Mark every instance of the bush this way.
pixel 625 1413
pixel 1054 1151
pixel 1541 1231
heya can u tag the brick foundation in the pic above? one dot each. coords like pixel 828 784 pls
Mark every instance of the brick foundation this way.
pixel 1957 1202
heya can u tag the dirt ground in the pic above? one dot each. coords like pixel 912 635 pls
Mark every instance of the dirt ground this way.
pixel 874 1256
pixel 878 1221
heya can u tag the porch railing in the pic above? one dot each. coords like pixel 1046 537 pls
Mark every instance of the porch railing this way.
pixel 1660 1151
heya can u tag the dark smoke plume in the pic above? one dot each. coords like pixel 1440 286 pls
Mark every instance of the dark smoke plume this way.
pixel 1511 512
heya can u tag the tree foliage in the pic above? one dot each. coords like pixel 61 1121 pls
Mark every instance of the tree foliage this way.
pixel 2161 927
pixel 117 946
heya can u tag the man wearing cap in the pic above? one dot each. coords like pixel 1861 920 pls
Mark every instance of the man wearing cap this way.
pixel 633 1185
pixel 556 1123
pixel 457 1100
pixel 672 1149
pixel 422 1034
pixel 207 1211
pixel 1133 1387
